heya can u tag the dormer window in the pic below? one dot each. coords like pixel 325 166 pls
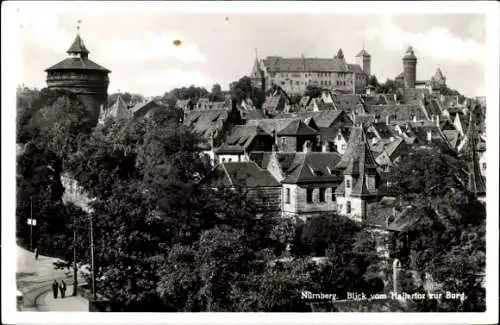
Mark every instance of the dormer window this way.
pixel 348 183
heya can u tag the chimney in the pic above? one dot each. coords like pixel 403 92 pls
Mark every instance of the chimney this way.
pixel 437 120
pixel 429 136
pixel 387 119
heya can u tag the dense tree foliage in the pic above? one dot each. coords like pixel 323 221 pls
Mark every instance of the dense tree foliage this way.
pixel 446 237
pixel 244 89
pixel 313 91
pixel 191 92
pixel 216 95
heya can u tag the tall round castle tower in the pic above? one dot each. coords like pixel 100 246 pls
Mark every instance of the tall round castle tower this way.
pixel 410 68
pixel 80 75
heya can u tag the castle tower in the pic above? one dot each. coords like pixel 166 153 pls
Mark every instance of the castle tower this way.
pixel 410 68
pixel 80 75
pixel 364 60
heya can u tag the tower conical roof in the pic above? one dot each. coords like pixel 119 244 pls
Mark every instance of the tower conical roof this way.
pixel 77 47
pixel 363 53
pixel 439 74
pixel 340 54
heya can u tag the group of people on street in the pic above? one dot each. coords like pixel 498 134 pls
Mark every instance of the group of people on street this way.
pixel 59 287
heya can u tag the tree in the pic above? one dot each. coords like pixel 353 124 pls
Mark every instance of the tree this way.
pixel 446 238
pixel 389 87
pixel 244 89
pixel 216 93
pixel 313 91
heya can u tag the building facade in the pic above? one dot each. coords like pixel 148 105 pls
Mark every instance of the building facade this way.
pixel 293 75
pixel 80 75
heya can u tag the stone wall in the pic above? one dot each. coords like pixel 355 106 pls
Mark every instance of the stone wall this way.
pixel 298 199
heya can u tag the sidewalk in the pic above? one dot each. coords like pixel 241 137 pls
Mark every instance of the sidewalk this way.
pixel 34 279
pixel 47 302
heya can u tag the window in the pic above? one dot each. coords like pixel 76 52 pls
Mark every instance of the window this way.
pixel 322 192
pixel 287 196
pixel 348 183
pixel 229 160
pixel 484 165
pixel 348 207
pixel 309 195
pixel 339 137
pixel 223 160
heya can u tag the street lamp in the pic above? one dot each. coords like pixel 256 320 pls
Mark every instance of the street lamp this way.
pixel 92 256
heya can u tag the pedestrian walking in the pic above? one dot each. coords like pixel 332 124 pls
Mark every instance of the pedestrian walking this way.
pixel 62 288
pixel 36 253
pixel 55 288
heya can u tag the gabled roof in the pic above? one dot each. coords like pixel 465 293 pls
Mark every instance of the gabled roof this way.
pixel 261 158
pixel 272 125
pixel 240 138
pixel 252 114
pixel 357 147
pixel 452 136
pixel 206 122
pixel 245 175
pixel 119 109
pixel 307 167
pixel 297 128
pixel 144 107
pixel 323 119
pixel 348 103
pixel 403 112
pixel 432 107
pixel 77 47
pixel 272 103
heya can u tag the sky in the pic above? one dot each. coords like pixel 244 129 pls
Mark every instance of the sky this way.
pixel 220 47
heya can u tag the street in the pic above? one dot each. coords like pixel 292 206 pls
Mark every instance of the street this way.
pixel 34 279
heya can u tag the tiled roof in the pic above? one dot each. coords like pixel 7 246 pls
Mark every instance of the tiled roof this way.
pixel 272 104
pixel 348 103
pixel 323 119
pixel 278 64
pixel 272 125
pixel 452 136
pixel 206 122
pixel 297 128
pixel 77 64
pixel 356 68
pixel 140 108
pixel 364 119
pixel 355 145
pixel 77 46
pixel 312 167
pixel 252 114
pixel 432 107
pixel 261 158
pixel 119 109
pixel 246 175
pixel 383 130
pixel 243 135
pixel 403 112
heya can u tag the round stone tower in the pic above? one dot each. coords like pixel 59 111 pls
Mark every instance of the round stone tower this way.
pixel 82 76
pixel 410 68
